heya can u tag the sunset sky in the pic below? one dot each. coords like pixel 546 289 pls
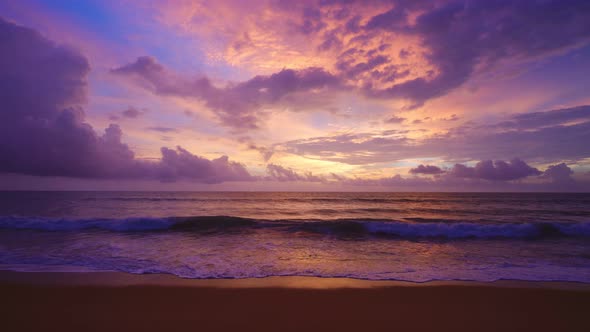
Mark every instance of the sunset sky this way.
pixel 295 95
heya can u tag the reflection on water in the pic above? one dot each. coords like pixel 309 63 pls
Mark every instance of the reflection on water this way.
pixel 408 206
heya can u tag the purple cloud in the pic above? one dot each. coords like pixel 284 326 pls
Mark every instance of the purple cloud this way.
pixel 129 113
pixel 549 118
pixel 559 173
pixel 42 127
pixel 426 169
pixel 132 113
pixel 449 183
pixel 181 164
pixel 498 170
pixel 484 176
pixel 352 71
pixel 236 105
pixel 459 37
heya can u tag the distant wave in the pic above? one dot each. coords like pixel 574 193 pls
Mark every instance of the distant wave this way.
pixel 424 228
pixel 254 199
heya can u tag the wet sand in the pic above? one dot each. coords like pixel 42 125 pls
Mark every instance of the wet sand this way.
pixel 124 302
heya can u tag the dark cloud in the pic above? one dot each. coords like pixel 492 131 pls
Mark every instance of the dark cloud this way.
pixel 559 173
pixel 42 126
pixel 163 129
pixel 546 119
pixel 461 35
pixel 181 164
pixel 350 71
pixel 132 113
pixel 498 170
pixel 427 169
pixel 129 113
pixel 312 20
pixel 237 105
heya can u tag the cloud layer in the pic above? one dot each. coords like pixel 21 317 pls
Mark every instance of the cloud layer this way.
pixel 42 126
pixel 498 170
pixel 486 175
pixel 551 136
pixel 463 35
pixel 307 54
pixel 236 105
pixel 355 91
pixel 412 50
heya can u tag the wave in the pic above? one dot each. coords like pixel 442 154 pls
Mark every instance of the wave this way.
pixel 126 224
pixel 431 228
pixel 255 199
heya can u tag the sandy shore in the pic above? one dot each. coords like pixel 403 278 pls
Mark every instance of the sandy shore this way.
pixel 123 302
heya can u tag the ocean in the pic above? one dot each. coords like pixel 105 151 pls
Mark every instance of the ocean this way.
pixel 415 237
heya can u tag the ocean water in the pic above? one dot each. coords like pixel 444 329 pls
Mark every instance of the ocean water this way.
pixel 379 236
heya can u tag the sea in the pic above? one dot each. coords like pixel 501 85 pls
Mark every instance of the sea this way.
pixel 416 237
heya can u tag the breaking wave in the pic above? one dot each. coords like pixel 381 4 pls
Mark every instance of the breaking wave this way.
pixel 430 228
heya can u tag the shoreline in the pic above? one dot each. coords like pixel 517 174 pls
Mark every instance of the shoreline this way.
pixel 114 301
pixel 123 279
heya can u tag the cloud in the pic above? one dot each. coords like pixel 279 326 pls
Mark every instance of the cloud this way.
pixel 537 120
pixel 181 164
pixel 313 48
pixel 265 152
pixel 453 117
pixel 545 137
pixel 132 113
pixel 426 169
pixel 498 170
pixel 395 119
pixel 486 175
pixel 280 173
pixel 129 113
pixel 412 50
pixel 237 105
pixel 350 148
pixel 42 126
pixel 559 173
pixel 163 129
pixel 462 35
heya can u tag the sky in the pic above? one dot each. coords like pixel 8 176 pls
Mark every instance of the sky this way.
pixel 325 95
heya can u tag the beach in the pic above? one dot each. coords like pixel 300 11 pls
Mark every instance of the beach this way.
pixel 105 301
